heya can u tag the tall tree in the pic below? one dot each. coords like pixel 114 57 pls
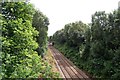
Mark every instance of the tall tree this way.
pixel 40 22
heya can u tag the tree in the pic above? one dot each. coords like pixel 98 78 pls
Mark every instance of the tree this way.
pixel 104 45
pixel 40 22
pixel 72 34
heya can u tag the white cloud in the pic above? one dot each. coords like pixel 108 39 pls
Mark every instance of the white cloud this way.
pixel 61 12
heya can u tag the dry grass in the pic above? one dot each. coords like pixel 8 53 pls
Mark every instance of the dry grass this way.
pixel 50 59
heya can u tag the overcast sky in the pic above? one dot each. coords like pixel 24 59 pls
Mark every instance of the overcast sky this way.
pixel 61 12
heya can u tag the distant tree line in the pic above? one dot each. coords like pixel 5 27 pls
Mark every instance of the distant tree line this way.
pixel 94 47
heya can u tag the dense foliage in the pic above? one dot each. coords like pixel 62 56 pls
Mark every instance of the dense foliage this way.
pixel 96 48
pixel 40 22
pixel 19 58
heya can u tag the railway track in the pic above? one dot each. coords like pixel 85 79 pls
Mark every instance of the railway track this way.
pixel 67 69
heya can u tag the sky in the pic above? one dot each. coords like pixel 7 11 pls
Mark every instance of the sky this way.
pixel 61 12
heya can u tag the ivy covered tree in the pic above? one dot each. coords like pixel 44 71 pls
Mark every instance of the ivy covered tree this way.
pixel 19 58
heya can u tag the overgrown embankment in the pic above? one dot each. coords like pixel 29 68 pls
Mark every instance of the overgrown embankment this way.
pixel 96 48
